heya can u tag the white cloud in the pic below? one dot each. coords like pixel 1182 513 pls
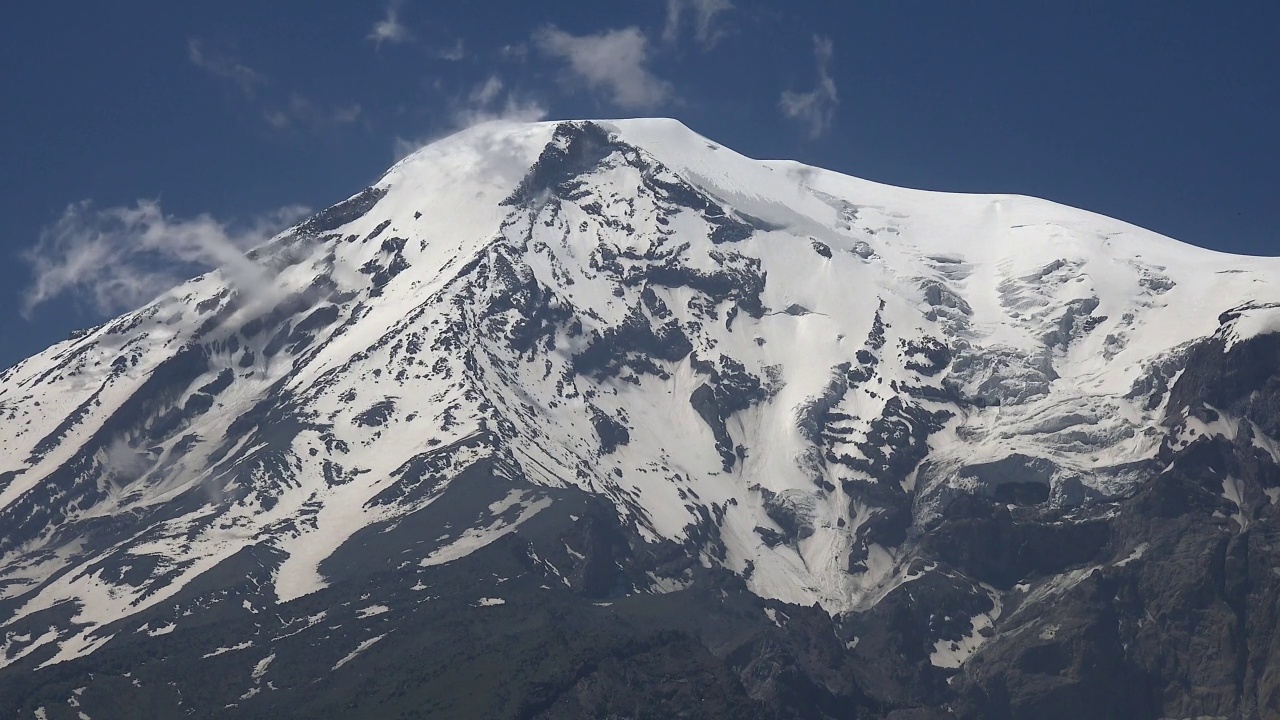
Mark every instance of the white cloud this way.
pixel 299 111
pixel 226 67
pixel 817 108
pixel 389 28
pixel 485 93
pixel 704 16
pixel 453 53
pixel 119 258
pixel 346 115
pixel 490 100
pixel 518 52
pixel 613 62
pixel 280 112
pixel 404 147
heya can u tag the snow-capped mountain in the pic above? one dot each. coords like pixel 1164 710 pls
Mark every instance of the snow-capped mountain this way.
pixel 618 375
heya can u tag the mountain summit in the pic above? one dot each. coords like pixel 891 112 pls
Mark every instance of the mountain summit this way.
pixel 603 419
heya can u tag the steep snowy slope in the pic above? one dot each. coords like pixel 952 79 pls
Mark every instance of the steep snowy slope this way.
pixel 801 378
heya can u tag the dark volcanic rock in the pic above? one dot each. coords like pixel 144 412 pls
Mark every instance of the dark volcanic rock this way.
pixel 1170 610
pixel 730 389
pixel 344 212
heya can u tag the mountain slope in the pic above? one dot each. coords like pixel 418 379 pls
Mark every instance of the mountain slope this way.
pixel 1009 448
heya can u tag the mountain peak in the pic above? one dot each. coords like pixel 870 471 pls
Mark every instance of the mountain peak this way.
pixel 638 363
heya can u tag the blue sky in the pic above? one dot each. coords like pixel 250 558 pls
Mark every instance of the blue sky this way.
pixel 141 141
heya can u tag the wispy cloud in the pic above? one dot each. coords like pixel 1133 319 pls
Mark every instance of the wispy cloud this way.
pixel 488 101
pixel 817 108
pixel 493 100
pixel 453 53
pixel 116 259
pixel 519 52
pixel 301 112
pixel 705 29
pixel 225 66
pixel 293 110
pixel 389 28
pixel 613 62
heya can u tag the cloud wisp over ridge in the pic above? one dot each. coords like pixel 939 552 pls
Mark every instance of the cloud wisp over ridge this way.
pixel 493 100
pixel 488 101
pixel 613 62
pixel 816 108
pixel 116 259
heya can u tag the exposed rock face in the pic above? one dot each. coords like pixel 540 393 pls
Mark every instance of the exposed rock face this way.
pixel 603 420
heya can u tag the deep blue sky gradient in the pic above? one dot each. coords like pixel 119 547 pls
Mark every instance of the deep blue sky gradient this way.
pixel 1164 114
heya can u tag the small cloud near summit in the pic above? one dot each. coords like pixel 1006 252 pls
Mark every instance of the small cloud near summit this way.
pixel 817 108
pixel 613 62
pixel 492 100
pixel 488 101
pixel 389 28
